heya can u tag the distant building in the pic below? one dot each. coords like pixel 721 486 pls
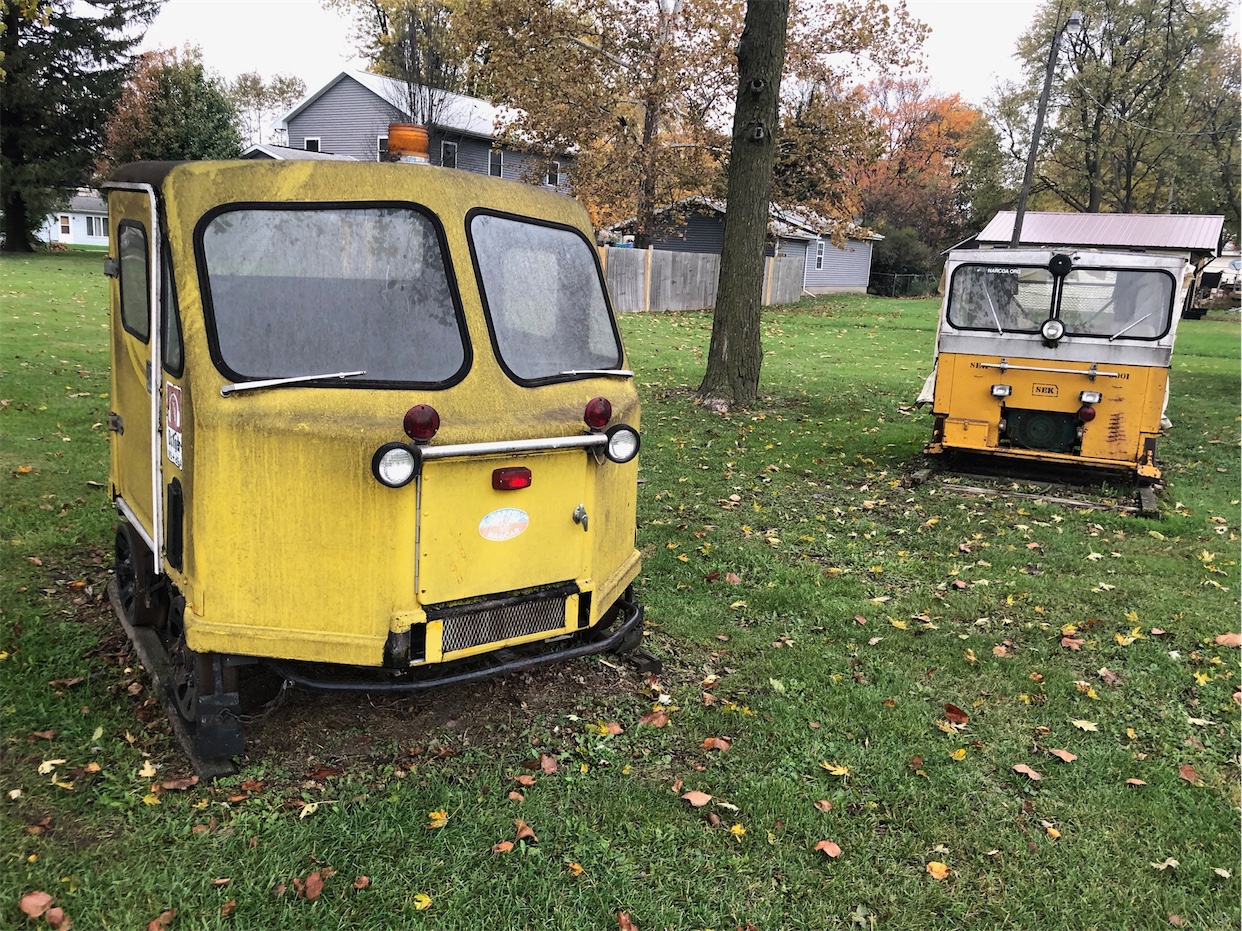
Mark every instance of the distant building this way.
pixel 83 222
pixel 349 116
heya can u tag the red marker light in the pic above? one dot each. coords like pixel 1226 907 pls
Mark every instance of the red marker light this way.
pixel 421 423
pixel 597 414
pixel 1086 413
pixel 511 479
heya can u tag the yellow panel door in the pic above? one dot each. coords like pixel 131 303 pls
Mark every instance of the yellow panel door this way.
pixel 134 375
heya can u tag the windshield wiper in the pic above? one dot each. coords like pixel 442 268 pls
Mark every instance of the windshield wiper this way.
pixel 992 307
pixel 620 373
pixel 274 382
pixel 1130 326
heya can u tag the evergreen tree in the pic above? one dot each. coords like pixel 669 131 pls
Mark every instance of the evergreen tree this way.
pixel 64 64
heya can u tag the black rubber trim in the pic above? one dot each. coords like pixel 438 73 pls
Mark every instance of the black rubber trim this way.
pixel 633 614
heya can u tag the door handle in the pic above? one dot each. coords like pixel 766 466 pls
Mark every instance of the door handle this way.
pixel 580 516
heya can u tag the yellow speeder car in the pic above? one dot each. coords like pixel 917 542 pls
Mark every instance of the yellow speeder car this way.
pixel 363 415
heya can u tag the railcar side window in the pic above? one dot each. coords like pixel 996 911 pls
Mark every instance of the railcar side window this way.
pixel 1001 299
pixel 323 289
pixel 544 297
pixel 135 287
pixel 1117 303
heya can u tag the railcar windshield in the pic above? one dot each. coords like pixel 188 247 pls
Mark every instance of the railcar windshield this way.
pixel 544 297
pixel 315 289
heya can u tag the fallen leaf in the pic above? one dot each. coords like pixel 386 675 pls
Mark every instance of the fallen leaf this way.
pixel 1109 677
pixel 524 831
pixel 1230 639
pixel 1187 772
pixel 178 784
pixel 1072 643
pixel 1063 755
pixel 1000 651
pixel 824 805
pixel 1053 832
pixel 45 735
pixel 148 770
pixel 438 819
pixel 655 719
pixel 1083 725
pixel 503 847
pixel 314 886
pixel 48 766
pixel 1177 921
pixel 955 714
pixel 547 763
pixel 715 743
pixel 732 578
pixel 218 883
pixel 34 904
pixel 308 809
pixel 575 869
pixel 613 728
pixel 829 847
pixel 362 882
pixel 516 797
pixel 422 901
pixel 1167 864
pixel 524 780
pixel 938 870
pixel 835 769
pixel 1222 872
pixel 697 799
pixel 162 921
pixel 227 908
pixel 1027 771
pixel 738 831
pixel 625 922
pixel 959 754
pixel 1135 782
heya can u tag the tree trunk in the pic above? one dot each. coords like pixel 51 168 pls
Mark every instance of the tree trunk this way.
pixel 735 354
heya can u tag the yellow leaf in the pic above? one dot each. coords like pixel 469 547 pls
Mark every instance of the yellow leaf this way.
pixel 738 831
pixel 48 765
pixel 148 770
pixel 308 809
pixel 835 769
pixel 150 799
pixel 1053 833
pixel 1124 640
pixel 938 870
pixel 98 733
pixel 575 869
pixel 1202 678
pixel 737 604
pixel 970 656
pixel 900 625
pixel 1131 734
pixel 422 901
pixel 959 754
pixel 1083 725
pixel 438 819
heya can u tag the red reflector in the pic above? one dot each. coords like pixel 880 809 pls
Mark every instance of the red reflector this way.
pixel 511 479
pixel 597 414
pixel 1086 413
pixel 421 422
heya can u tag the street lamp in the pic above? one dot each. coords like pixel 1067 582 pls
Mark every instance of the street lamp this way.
pixel 1072 26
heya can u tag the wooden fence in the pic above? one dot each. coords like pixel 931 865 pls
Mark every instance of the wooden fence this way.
pixel 654 279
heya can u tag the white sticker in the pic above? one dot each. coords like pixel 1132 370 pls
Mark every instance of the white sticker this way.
pixel 172 422
pixel 503 524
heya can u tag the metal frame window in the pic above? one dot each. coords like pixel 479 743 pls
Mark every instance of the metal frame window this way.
pixel 819 254
pixel 96 226
pixel 448 154
pixel 64 225
pixel 311 143
pixel 496 163
pixel 554 174
pixel 381 148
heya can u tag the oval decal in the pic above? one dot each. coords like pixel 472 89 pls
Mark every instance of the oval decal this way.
pixel 503 524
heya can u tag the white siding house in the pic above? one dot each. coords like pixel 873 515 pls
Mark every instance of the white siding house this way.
pixel 83 222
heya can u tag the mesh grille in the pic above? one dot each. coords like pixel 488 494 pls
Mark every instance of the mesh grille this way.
pixel 492 623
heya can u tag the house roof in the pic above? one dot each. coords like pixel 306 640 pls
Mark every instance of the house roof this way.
pixel 1192 232
pixel 464 114
pixel 87 203
pixel 285 152
pixel 785 222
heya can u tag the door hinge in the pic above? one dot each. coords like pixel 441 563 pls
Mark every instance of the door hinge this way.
pixel 116 423
pixel 111 268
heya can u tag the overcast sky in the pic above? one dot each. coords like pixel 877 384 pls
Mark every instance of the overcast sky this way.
pixel 971 43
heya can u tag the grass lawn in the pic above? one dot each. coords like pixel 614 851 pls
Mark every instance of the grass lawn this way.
pixel 847 659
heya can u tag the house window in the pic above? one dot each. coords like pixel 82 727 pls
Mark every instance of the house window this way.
pixel 381 148
pixel 496 163
pixel 96 226
pixel 554 174
pixel 819 254
pixel 64 226
pixel 311 143
pixel 448 154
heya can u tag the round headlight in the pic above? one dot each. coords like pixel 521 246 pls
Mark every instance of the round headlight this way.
pixel 623 443
pixel 394 465
pixel 1052 330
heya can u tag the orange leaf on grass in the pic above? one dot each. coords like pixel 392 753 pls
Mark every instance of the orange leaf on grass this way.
pixel 829 847
pixel 524 780
pixel 1072 643
pixel 715 743
pixel 625 922
pixel 824 805
pixel 362 882
pixel 1063 755
pixel 1135 782
pixel 614 728
pixel 547 762
pixel 697 799
pixel 162 921
pixel 34 904
pixel 503 847
pixel 1230 639
pixel 655 719
pixel 938 870
pixel 517 797
pixel 1027 771
pixel 524 831
pixel 227 908
pixel 314 886
pixel 1187 772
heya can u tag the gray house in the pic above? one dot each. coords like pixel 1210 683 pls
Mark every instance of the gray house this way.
pixel 349 116
pixel 696 224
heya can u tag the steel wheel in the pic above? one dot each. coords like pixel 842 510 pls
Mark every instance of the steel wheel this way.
pixel 135 574
pixel 183 666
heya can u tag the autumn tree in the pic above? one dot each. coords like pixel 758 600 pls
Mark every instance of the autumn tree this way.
pixel 1144 112
pixel 172 108
pixel 64 64
pixel 259 102
pixel 735 353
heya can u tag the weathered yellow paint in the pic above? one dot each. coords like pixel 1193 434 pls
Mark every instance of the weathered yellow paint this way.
pixel 293 549
pixel 1127 416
